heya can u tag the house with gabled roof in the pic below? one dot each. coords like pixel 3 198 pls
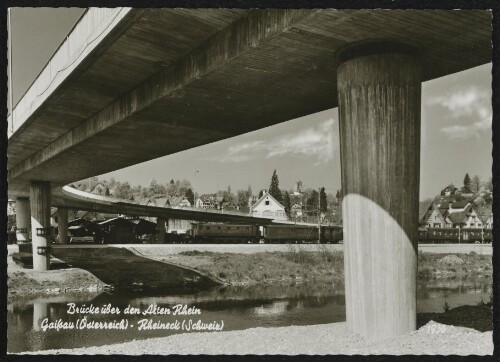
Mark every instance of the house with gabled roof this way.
pixel 268 207
pixel 486 215
pixel 436 219
pixel 179 202
pixel 466 217
pixel 209 201
pixel 449 190
pixel 159 200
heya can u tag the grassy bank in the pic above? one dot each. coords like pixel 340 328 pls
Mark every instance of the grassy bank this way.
pixel 120 267
pixel 297 264
pixel 433 266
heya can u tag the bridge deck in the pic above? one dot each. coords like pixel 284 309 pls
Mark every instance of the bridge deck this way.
pixel 165 80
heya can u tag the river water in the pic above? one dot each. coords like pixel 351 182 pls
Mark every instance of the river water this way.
pixel 236 307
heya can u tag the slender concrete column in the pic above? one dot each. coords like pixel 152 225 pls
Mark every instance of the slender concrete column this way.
pixel 160 227
pixel 40 224
pixel 23 219
pixel 379 88
pixel 62 225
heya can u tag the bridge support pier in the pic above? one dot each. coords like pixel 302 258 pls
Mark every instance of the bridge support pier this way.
pixel 23 219
pixel 379 87
pixel 160 230
pixel 62 225
pixel 41 231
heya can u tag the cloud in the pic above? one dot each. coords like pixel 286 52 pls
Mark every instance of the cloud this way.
pixel 470 107
pixel 315 142
pixel 474 129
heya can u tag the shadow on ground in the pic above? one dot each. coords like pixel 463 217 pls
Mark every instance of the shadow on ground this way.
pixel 478 317
pixel 126 270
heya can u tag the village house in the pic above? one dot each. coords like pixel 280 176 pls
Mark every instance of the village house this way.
pixel 487 219
pixel 296 203
pixel 209 201
pixel 178 202
pixel 268 207
pixel 296 210
pixel 118 231
pixel 462 214
pixel 449 190
pixel 436 219
pixel 230 206
pixel 156 200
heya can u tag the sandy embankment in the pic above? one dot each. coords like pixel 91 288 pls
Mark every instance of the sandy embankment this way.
pixel 433 338
pixel 25 283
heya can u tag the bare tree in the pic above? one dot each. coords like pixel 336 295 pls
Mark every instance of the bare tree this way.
pixel 475 184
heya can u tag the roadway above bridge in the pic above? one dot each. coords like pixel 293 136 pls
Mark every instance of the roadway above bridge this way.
pixel 152 82
pixel 70 198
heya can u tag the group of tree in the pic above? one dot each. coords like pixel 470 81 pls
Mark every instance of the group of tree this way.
pixel 313 201
pixel 473 190
pixel 474 184
pixel 123 190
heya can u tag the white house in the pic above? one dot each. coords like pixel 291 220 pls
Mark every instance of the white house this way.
pixel 268 207
pixel 436 220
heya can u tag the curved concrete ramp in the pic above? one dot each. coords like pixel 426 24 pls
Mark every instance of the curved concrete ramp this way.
pixel 71 198
pixel 124 269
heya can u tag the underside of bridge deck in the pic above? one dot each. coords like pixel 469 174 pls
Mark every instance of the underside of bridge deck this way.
pixel 173 79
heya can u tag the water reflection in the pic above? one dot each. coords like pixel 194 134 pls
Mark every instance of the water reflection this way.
pixel 40 312
pixel 239 307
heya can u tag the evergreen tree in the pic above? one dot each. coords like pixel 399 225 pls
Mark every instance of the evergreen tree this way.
pixel 286 203
pixel 322 200
pixel 312 203
pixel 466 182
pixel 274 189
pixel 339 195
pixel 190 196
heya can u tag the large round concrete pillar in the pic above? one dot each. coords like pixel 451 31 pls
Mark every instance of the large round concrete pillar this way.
pixel 23 219
pixel 41 231
pixel 379 88
pixel 62 225
pixel 160 230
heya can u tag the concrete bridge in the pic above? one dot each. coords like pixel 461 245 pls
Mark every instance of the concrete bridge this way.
pixel 130 85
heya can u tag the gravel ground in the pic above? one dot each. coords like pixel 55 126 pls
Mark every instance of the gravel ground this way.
pixel 433 338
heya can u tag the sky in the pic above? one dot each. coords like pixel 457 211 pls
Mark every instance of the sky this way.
pixel 456 128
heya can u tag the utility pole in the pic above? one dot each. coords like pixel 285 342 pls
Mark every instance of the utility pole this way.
pixel 319 216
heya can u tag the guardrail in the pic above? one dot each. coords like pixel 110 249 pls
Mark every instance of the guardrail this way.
pixel 92 27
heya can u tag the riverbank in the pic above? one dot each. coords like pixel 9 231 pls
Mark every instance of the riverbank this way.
pixel 334 338
pixel 314 263
pixel 25 284
pixel 317 263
